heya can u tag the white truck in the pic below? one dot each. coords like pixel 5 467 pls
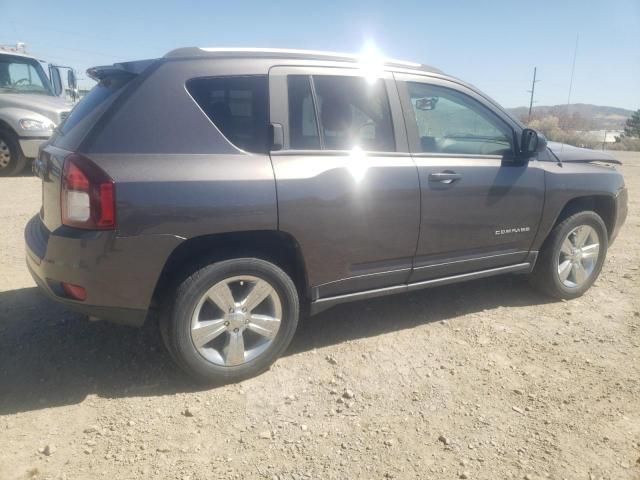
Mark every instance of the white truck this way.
pixel 32 104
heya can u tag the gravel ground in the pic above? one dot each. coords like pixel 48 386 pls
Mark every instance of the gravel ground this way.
pixel 479 380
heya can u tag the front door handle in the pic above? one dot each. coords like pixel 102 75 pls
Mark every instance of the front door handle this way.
pixel 444 177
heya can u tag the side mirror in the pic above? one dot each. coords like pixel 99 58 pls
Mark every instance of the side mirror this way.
pixel 71 79
pixel 56 80
pixel 532 142
pixel 72 82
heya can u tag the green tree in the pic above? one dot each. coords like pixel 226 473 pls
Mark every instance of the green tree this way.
pixel 632 127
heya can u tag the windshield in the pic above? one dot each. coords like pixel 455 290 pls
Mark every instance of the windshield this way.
pixel 22 75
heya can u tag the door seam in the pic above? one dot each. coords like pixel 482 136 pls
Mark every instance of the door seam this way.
pixel 415 166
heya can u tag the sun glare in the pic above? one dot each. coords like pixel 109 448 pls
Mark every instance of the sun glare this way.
pixel 371 62
pixel 357 164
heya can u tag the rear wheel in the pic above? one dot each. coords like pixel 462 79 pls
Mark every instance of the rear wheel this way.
pixel 12 161
pixel 572 256
pixel 231 319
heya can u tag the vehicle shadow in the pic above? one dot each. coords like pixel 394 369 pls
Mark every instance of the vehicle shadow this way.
pixel 27 172
pixel 52 357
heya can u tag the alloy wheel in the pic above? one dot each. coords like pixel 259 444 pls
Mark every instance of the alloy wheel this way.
pixel 578 256
pixel 236 320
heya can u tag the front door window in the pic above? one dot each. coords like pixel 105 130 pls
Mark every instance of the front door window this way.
pixel 451 122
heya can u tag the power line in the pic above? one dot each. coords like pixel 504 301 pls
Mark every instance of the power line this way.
pixel 105 39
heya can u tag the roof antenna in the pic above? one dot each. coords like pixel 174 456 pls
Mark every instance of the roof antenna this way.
pixel 573 68
pixel 532 91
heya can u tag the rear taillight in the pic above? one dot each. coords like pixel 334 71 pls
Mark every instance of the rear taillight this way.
pixel 88 195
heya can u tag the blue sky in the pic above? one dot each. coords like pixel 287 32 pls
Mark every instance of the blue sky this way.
pixel 493 45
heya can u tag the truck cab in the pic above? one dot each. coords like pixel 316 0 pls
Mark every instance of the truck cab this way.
pixel 32 105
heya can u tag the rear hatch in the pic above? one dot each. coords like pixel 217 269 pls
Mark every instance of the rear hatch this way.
pixel 69 136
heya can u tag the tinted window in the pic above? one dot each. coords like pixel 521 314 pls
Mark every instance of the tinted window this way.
pixel 237 106
pixel 351 112
pixel 97 97
pixel 354 112
pixel 452 122
pixel 303 127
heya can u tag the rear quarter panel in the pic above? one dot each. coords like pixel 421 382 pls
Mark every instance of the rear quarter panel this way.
pixel 176 177
pixel 191 195
pixel 175 172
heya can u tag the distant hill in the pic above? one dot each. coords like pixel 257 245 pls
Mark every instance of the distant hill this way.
pixel 598 117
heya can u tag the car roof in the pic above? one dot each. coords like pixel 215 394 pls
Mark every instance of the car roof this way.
pixel 194 53
pixel 285 53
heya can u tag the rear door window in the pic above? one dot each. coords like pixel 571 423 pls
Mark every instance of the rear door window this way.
pixel 238 106
pixel 339 113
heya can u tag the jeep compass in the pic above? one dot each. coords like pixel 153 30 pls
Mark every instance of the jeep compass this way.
pixel 231 189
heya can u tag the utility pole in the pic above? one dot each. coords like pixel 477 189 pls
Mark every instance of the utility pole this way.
pixel 533 89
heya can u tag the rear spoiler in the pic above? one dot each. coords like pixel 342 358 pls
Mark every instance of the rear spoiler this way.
pixel 130 68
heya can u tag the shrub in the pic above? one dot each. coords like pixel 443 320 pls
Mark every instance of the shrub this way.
pixel 550 127
pixel 625 143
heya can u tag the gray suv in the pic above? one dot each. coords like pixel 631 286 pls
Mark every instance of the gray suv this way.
pixel 233 189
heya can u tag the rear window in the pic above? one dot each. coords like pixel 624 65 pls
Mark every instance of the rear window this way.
pixel 95 100
pixel 237 106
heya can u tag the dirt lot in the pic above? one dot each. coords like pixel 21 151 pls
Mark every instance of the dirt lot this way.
pixel 480 380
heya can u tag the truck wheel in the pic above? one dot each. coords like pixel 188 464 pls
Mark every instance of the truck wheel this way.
pixel 12 161
pixel 231 320
pixel 572 256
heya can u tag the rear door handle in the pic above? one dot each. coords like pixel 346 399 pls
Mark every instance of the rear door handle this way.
pixel 444 177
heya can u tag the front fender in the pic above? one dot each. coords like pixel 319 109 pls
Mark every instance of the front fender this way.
pixel 587 185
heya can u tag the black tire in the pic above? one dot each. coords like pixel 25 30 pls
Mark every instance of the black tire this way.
pixel 175 319
pixel 545 276
pixel 17 161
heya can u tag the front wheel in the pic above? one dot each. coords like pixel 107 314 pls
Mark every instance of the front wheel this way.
pixel 231 320
pixel 572 257
pixel 12 161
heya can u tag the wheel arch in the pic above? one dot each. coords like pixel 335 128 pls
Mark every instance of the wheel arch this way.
pixel 4 125
pixel 275 246
pixel 603 205
pixel 545 276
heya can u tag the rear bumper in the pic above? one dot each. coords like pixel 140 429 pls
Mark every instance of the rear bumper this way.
pixel 123 316
pixel 119 274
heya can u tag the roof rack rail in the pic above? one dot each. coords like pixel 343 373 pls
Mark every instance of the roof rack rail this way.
pixel 190 52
